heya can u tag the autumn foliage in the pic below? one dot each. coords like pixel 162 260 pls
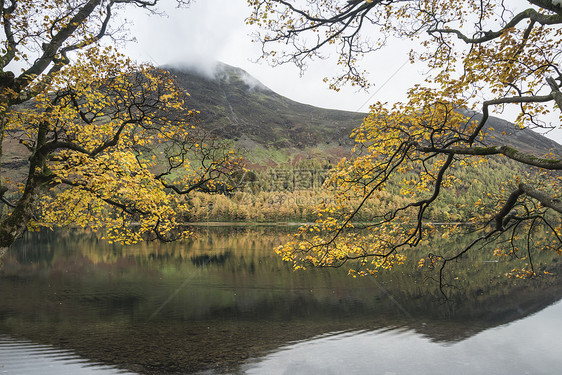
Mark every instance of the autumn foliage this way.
pixel 480 56
pixel 108 140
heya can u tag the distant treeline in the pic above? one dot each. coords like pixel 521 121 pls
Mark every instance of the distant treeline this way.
pixel 294 194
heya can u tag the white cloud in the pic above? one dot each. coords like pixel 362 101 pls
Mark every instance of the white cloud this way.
pixel 195 35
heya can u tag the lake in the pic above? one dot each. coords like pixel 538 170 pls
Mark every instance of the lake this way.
pixel 224 303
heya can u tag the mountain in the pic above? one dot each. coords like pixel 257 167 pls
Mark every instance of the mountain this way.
pixel 236 106
pixel 274 130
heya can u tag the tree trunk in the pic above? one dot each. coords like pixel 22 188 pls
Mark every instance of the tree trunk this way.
pixel 15 224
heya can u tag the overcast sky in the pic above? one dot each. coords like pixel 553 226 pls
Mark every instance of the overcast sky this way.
pixel 214 30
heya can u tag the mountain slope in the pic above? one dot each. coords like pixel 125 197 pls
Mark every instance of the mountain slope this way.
pixel 524 140
pixel 236 106
pixel 275 130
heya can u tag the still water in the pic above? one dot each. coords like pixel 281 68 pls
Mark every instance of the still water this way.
pixel 223 303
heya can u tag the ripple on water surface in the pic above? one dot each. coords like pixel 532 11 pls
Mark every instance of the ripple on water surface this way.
pixel 26 357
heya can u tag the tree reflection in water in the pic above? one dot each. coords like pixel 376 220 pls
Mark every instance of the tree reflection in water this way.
pixel 218 300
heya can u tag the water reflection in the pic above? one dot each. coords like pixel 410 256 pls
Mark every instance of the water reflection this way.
pixel 524 347
pixel 24 357
pixel 224 300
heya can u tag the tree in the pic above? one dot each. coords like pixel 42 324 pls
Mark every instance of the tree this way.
pixel 482 55
pixel 107 140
